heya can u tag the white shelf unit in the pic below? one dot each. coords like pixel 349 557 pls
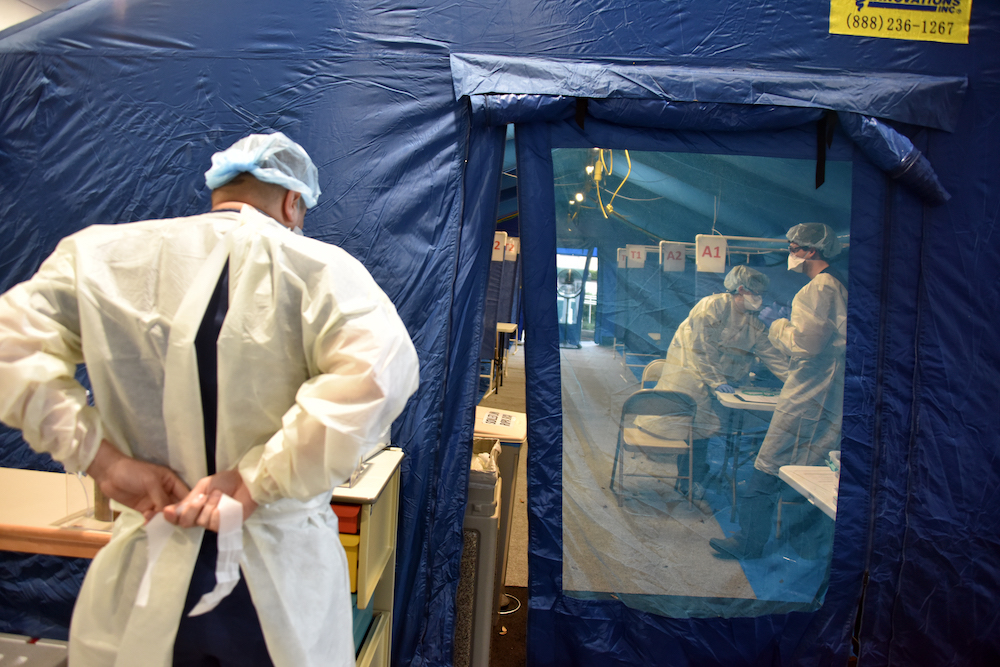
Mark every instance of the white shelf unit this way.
pixel 377 492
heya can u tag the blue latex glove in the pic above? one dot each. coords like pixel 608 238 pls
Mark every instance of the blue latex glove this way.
pixel 726 389
pixel 773 312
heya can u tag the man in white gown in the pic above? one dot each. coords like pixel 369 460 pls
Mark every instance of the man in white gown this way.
pixel 217 342
pixel 714 349
pixel 807 418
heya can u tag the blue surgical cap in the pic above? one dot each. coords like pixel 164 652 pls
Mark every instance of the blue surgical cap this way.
pixel 750 279
pixel 815 236
pixel 272 158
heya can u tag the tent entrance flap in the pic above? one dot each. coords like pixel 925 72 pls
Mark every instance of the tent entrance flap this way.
pixel 508 89
pixel 666 513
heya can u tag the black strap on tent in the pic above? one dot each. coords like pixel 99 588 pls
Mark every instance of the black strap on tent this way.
pixel 581 111
pixel 208 368
pixel 824 139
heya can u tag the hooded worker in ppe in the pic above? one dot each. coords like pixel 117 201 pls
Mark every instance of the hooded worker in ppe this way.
pixel 231 357
pixel 714 350
pixel 807 418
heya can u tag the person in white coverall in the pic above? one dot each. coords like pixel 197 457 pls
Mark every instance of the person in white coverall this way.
pixel 217 342
pixel 807 418
pixel 714 349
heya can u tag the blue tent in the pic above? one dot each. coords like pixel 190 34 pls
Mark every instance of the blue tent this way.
pixel 111 110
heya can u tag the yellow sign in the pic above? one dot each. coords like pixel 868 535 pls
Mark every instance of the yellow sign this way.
pixel 923 20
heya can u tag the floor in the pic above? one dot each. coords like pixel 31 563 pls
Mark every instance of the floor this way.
pixel 653 542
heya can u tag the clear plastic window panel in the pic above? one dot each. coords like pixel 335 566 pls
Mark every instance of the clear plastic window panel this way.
pixel 702 378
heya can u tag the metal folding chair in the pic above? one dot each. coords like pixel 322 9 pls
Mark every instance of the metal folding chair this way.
pixel 652 371
pixel 633 439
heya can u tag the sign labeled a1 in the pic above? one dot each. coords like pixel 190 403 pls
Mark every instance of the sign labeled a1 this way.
pixel 671 256
pixel 710 253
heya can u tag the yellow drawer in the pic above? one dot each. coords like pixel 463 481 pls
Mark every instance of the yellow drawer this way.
pixel 351 544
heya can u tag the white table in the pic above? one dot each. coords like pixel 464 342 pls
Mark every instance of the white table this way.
pixel 507 327
pixel 755 403
pixel 817 483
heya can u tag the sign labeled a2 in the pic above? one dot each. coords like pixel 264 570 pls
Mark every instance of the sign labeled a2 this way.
pixel 671 256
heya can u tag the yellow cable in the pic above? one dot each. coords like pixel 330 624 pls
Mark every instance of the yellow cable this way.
pixel 597 182
pixel 623 180
pixel 599 202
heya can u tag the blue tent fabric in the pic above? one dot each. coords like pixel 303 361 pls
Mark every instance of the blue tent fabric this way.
pixel 894 153
pixel 890 150
pixel 493 286
pixel 505 109
pixel 700 116
pixel 111 110
pixel 37 593
pixel 918 99
pixel 423 623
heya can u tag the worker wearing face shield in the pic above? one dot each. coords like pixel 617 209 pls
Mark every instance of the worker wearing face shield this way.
pixel 714 350
pixel 807 418
pixel 230 357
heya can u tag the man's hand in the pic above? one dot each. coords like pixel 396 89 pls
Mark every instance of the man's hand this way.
pixel 145 487
pixel 200 507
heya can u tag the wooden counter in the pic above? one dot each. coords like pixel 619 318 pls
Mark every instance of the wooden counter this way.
pixel 46 513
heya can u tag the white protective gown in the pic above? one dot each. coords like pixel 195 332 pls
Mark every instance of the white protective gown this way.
pixel 314 365
pixel 715 345
pixel 807 419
